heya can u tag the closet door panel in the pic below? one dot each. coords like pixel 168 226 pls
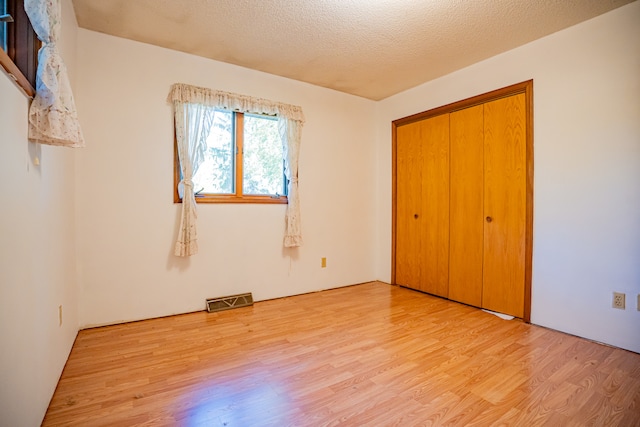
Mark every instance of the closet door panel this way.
pixel 422 205
pixel 466 209
pixel 408 204
pixel 435 206
pixel 504 205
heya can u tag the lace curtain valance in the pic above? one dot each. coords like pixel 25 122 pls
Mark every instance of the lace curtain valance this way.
pixel 184 93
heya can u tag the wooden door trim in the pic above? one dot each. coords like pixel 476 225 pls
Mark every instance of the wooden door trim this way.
pixel 528 263
pixel 394 199
pixel 525 87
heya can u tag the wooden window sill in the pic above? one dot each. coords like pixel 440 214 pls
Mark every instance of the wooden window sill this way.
pixel 12 71
pixel 265 200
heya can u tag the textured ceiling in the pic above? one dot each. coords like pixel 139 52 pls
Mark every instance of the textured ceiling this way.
pixel 369 48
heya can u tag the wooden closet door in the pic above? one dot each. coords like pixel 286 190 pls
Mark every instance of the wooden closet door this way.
pixel 435 206
pixel 422 205
pixel 466 210
pixel 504 205
pixel 408 189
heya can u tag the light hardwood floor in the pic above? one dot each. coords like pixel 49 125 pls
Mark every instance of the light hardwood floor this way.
pixel 370 354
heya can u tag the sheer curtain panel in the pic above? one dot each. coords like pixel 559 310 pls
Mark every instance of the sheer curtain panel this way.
pixel 193 124
pixel 291 132
pixel 53 118
pixel 192 105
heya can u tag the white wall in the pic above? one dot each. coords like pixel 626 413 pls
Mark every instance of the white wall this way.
pixel 126 218
pixel 37 256
pixel 115 200
pixel 586 169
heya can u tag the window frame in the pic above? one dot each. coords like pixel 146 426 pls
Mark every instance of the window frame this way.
pixel 20 61
pixel 238 196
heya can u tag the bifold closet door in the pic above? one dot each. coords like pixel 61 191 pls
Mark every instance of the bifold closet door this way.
pixel 408 189
pixel 422 205
pixel 504 205
pixel 466 210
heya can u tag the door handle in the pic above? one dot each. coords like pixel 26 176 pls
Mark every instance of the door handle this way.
pixel 489 219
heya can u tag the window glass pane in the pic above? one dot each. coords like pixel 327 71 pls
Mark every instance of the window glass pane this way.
pixel 263 166
pixel 3 26
pixel 216 174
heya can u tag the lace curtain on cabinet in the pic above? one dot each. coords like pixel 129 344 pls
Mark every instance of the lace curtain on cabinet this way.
pixel 53 118
pixel 191 107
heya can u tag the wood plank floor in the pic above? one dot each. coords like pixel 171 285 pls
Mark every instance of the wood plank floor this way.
pixel 366 355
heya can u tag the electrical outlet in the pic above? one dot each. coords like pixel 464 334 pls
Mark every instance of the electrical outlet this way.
pixel 59 315
pixel 618 300
pixel 323 262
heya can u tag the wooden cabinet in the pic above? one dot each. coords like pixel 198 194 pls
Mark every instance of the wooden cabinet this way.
pixel 463 193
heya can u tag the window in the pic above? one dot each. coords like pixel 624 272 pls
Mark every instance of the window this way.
pixel 19 53
pixel 4 18
pixel 244 129
pixel 243 160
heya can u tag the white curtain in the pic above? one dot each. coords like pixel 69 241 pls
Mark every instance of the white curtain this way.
pixel 190 104
pixel 193 123
pixel 291 132
pixel 53 118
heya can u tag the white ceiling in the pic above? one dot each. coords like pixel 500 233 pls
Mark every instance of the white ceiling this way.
pixel 369 48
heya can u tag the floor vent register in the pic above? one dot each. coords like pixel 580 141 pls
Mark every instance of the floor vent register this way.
pixel 227 303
